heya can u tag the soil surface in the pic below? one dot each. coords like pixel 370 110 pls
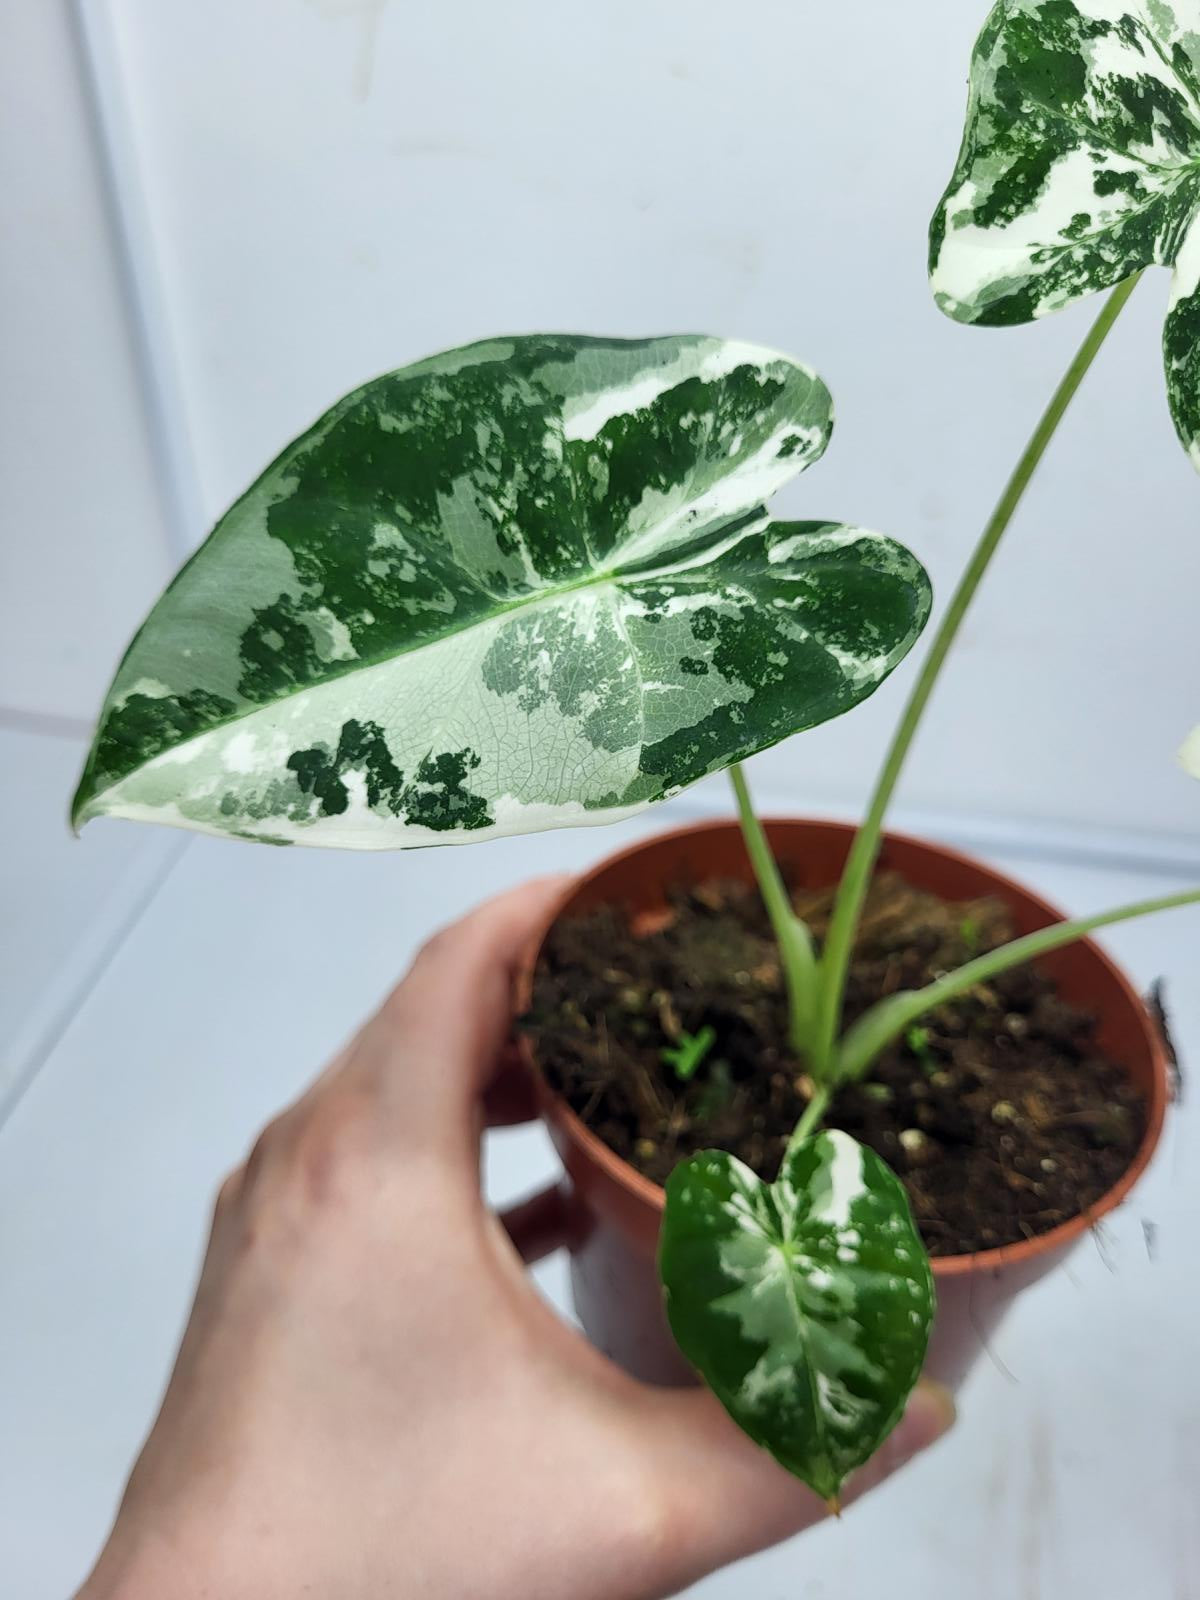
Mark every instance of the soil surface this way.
pixel 1000 1113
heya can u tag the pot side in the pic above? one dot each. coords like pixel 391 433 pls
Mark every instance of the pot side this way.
pixel 615 1213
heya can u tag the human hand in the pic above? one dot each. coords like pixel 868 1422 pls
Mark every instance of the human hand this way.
pixel 371 1399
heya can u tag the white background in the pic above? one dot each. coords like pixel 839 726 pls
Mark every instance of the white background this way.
pixel 218 216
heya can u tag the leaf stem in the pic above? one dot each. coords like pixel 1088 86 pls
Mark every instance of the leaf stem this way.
pixel 811 1117
pixel 889 1018
pixel 796 955
pixel 856 875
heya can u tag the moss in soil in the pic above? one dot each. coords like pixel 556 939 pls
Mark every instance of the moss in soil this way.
pixel 1000 1112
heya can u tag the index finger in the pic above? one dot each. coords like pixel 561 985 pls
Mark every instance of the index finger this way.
pixel 438 1040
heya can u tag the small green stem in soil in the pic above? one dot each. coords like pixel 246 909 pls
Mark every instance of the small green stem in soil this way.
pixel 809 1121
pixel 889 1018
pixel 856 876
pixel 796 955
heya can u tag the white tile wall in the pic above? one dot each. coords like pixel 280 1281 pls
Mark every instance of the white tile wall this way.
pixel 83 542
pixel 64 904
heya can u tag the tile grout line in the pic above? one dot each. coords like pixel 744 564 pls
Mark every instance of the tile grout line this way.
pixel 147 327
pixel 139 273
pixel 63 1000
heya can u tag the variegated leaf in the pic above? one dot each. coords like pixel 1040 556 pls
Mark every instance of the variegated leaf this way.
pixel 1189 754
pixel 525 584
pixel 805 1304
pixel 1080 164
pixel 1181 343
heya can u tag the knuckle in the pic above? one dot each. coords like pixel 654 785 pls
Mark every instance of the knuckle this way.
pixel 309 1171
pixel 445 951
pixel 434 949
pixel 228 1193
pixel 401 1005
pixel 264 1150
pixel 333 1151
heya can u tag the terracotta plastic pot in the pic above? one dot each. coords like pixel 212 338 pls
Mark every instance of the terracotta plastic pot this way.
pixel 612 1213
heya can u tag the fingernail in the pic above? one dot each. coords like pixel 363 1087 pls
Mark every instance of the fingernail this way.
pixel 930 1413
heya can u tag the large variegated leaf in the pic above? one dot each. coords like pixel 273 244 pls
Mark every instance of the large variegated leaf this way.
pixel 1080 164
pixel 525 584
pixel 805 1304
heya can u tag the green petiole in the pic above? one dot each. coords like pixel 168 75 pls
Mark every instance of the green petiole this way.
pixel 891 1017
pixel 856 877
pixel 796 955
pixel 816 986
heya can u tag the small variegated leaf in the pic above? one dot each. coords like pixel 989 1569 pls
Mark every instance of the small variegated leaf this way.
pixel 1181 344
pixel 521 585
pixel 1080 164
pixel 805 1304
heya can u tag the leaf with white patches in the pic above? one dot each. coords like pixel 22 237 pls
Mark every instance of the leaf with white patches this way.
pixel 1181 344
pixel 521 585
pixel 805 1304
pixel 1080 164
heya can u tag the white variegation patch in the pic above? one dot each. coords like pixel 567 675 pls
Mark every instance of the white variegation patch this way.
pixel 843 1182
pixel 526 586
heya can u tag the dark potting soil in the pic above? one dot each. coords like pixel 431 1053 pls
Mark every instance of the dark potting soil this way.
pixel 1001 1114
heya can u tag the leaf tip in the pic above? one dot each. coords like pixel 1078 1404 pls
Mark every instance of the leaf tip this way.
pixel 82 807
pixel 833 1504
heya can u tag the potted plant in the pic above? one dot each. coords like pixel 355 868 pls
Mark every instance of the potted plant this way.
pixel 531 583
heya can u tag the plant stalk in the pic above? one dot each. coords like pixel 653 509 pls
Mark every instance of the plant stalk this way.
pixel 811 1117
pixel 856 876
pixel 889 1018
pixel 796 955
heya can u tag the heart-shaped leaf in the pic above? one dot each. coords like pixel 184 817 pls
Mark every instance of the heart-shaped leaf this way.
pixel 805 1304
pixel 521 585
pixel 1080 164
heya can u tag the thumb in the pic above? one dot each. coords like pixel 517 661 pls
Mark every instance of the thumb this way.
pixel 930 1413
pixel 743 1500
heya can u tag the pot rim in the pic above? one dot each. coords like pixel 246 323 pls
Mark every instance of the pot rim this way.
pixel 652 1195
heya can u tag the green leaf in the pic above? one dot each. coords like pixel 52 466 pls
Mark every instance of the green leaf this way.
pixel 687 1056
pixel 526 584
pixel 1079 165
pixel 1181 345
pixel 805 1304
pixel 917 1040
